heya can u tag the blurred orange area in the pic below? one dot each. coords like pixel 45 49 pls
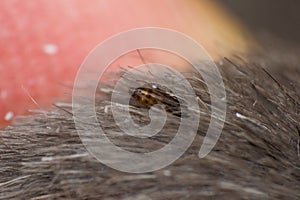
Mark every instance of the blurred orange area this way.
pixel 43 43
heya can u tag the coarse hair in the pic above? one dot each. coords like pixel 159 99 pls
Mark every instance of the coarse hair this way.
pixel 256 157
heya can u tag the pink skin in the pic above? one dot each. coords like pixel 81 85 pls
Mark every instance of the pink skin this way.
pixel 43 43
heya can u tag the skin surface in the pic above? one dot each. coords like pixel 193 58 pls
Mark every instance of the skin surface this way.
pixel 43 43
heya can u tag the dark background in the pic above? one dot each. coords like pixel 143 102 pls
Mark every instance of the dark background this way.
pixel 280 18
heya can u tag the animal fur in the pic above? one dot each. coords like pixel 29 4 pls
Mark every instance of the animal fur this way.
pixel 256 157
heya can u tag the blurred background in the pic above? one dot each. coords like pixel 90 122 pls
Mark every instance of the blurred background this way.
pixel 43 43
pixel 278 18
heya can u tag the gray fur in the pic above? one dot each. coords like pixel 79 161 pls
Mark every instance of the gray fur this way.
pixel 256 157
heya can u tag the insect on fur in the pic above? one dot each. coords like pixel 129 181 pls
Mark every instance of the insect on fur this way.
pixel 151 94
